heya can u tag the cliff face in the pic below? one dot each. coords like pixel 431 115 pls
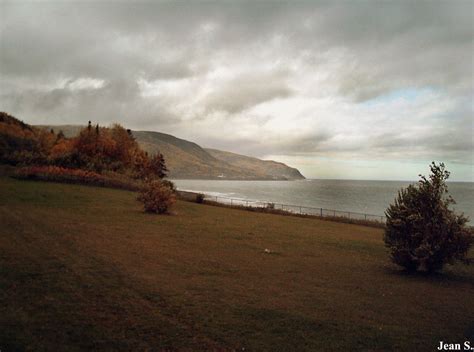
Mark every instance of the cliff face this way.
pixel 186 159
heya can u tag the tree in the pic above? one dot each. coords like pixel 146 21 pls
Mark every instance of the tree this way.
pixel 125 145
pixel 157 166
pixel 60 135
pixel 422 231
pixel 149 167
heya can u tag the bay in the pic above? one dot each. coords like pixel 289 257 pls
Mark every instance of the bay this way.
pixel 370 197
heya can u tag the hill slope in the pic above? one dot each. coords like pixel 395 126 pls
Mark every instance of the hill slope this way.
pixel 268 167
pixel 186 159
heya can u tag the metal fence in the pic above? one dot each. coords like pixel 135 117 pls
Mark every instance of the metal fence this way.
pixel 296 209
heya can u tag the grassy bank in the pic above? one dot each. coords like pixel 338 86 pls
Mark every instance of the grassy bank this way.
pixel 83 268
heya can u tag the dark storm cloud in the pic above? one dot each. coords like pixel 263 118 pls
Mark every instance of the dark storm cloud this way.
pixel 228 62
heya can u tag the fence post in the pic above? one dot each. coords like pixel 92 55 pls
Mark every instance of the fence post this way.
pixel 334 213
pixel 349 213
pixel 230 201
pixel 321 212
pixel 300 211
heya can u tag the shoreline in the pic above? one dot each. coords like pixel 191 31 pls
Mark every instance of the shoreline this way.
pixel 272 208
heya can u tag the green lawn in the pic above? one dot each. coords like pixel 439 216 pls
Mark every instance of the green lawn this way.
pixel 83 268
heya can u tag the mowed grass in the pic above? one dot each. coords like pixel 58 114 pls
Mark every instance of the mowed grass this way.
pixel 83 268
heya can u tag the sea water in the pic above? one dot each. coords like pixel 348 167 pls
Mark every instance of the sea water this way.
pixel 370 197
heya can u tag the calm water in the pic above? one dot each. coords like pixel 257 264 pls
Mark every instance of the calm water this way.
pixel 370 197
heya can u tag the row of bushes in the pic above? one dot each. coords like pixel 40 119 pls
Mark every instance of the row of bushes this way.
pixel 79 176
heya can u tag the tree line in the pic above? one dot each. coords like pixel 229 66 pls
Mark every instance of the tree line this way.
pixel 95 148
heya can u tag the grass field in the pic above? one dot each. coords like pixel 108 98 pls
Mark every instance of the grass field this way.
pixel 83 268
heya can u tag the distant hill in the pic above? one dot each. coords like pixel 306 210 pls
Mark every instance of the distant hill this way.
pixel 186 159
pixel 271 168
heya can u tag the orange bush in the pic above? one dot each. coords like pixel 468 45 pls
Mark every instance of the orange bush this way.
pixel 62 148
pixel 157 197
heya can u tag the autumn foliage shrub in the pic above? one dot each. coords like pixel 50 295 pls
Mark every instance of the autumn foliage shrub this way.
pixel 421 230
pixel 157 197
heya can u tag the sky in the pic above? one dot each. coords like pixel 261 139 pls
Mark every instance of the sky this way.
pixel 352 90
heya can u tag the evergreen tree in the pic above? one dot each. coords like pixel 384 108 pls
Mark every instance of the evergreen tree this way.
pixel 157 166
pixel 422 231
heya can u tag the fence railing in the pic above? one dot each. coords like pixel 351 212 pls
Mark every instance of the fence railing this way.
pixel 296 209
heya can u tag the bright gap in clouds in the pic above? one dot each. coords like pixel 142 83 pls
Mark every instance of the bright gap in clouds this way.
pixel 85 83
pixel 330 168
pixel 403 95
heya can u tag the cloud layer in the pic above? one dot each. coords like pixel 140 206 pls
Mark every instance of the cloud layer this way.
pixel 364 81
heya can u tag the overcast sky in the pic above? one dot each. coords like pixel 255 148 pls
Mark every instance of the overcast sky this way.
pixel 360 89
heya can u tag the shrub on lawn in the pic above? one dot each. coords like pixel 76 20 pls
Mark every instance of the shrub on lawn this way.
pixel 199 198
pixel 157 197
pixel 421 230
